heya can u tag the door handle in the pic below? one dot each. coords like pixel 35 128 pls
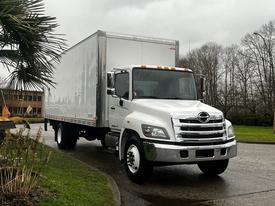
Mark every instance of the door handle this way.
pixel 113 108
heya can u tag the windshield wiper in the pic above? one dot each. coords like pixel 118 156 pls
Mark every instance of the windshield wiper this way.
pixel 155 97
pixel 172 98
pixel 148 97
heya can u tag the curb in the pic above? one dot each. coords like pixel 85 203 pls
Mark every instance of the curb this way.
pixel 256 142
pixel 114 188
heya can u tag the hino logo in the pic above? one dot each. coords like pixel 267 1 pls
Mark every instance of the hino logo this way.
pixel 203 117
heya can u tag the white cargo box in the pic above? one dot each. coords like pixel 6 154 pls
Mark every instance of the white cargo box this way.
pixel 80 93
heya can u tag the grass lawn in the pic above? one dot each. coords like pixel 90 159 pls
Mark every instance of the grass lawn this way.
pixel 70 182
pixel 254 133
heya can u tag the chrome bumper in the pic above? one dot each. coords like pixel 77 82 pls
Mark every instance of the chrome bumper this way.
pixel 169 153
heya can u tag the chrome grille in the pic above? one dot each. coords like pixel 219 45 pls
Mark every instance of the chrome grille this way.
pixel 197 121
pixel 199 135
pixel 190 129
pixel 187 128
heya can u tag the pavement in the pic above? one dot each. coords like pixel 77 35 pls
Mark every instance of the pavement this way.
pixel 249 179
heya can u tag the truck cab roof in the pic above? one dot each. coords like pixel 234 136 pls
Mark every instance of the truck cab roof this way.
pixel 144 66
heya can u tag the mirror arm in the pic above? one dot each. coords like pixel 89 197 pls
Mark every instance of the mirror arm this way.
pixel 120 102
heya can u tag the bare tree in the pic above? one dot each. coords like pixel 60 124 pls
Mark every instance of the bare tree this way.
pixel 226 85
pixel 260 47
pixel 205 60
pixel 240 78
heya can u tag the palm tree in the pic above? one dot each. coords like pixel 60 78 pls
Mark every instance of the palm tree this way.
pixel 27 43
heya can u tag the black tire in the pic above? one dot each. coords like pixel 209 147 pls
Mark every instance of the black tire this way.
pixel 213 168
pixel 102 141
pixel 65 136
pixel 145 169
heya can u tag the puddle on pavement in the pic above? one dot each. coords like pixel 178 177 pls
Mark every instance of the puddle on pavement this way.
pixel 162 201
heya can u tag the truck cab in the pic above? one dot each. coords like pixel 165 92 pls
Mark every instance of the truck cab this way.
pixel 157 117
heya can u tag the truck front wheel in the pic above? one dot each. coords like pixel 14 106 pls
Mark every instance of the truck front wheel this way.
pixel 66 137
pixel 213 168
pixel 137 167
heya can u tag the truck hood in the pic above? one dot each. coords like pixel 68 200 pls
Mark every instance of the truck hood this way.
pixel 175 107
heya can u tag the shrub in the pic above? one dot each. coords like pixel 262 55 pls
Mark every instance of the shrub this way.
pixel 255 119
pixel 20 120
pixel 17 120
pixel 21 161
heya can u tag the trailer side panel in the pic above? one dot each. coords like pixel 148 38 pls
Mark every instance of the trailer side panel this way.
pixel 74 98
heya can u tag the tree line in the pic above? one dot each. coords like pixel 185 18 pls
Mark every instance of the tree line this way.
pixel 240 78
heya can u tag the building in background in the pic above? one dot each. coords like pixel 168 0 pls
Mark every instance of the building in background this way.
pixel 19 102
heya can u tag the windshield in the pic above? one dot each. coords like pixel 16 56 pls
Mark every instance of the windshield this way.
pixel 163 84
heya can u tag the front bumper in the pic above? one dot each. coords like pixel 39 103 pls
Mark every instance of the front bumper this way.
pixel 171 153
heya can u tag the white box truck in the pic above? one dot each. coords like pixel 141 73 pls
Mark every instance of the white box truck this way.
pixel 126 91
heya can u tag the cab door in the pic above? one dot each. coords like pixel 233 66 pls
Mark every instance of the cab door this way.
pixel 119 102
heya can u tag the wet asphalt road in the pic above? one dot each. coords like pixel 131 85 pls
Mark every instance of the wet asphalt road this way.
pixel 249 180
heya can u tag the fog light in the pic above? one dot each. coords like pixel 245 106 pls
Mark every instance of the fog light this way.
pixel 223 151
pixel 183 153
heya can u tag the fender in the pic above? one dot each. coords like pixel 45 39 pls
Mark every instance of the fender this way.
pixel 133 122
pixel 227 124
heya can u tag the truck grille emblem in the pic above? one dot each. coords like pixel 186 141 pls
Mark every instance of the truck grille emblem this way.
pixel 203 117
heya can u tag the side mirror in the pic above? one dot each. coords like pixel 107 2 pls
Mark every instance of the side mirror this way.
pixel 200 84
pixel 202 88
pixel 110 83
pixel 110 91
pixel 110 80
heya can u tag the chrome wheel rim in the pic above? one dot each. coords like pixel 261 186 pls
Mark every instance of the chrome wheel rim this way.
pixel 59 135
pixel 133 158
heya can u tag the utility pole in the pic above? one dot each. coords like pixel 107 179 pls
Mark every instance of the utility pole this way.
pixel 271 70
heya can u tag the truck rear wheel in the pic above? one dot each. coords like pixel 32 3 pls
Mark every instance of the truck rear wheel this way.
pixel 66 137
pixel 137 167
pixel 213 168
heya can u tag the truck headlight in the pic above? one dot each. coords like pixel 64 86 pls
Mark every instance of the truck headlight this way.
pixel 230 131
pixel 154 132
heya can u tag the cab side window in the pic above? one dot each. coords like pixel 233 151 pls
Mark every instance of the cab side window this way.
pixel 122 85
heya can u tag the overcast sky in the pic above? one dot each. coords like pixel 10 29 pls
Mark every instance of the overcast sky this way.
pixel 192 22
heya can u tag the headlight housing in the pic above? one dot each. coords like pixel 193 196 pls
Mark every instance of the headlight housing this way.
pixel 154 132
pixel 230 132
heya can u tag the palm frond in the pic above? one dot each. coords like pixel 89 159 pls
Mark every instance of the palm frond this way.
pixel 28 42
